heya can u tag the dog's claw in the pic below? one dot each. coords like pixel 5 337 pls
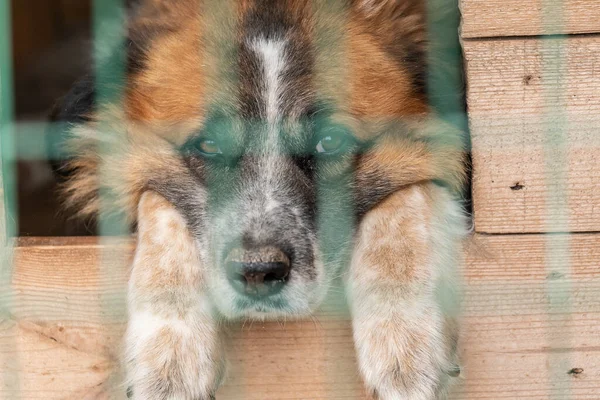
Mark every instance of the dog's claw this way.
pixel 454 371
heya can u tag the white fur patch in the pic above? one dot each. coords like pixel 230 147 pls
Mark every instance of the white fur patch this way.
pixel 272 56
pixel 271 53
pixel 144 324
pixel 173 350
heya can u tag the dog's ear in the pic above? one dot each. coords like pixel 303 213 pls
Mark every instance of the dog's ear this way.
pixel 401 27
pixel 399 20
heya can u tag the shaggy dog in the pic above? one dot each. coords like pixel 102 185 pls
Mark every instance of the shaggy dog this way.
pixel 264 149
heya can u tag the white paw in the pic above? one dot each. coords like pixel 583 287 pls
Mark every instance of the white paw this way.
pixel 404 361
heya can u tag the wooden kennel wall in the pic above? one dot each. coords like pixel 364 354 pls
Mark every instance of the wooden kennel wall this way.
pixel 532 307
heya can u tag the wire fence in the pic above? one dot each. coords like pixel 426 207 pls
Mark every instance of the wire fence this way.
pixel 445 91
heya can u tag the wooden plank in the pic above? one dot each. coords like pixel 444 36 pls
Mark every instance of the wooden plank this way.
pixel 494 18
pixel 509 347
pixel 517 100
pixel 47 368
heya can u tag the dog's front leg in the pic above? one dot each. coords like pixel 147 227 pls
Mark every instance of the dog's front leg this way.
pixel 401 269
pixel 172 341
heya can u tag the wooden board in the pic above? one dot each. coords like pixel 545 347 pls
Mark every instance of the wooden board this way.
pixel 519 341
pixel 493 18
pixel 534 112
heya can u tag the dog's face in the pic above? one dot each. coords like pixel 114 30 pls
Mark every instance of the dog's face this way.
pixel 279 124
pixel 275 214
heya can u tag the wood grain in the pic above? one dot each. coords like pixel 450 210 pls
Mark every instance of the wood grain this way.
pixel 525 96
pixel 493 18
pixel 518 342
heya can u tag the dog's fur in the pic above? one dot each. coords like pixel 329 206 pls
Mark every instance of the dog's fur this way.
pixel 267 79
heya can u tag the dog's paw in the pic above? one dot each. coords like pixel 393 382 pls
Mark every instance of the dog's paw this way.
pixel 169 388
pixel 130 395
pixel 174 367
pixel 404 362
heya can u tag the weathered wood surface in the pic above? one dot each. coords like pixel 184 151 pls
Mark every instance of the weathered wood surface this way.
pixel 493 18
pixel 61 343
pixel 534 111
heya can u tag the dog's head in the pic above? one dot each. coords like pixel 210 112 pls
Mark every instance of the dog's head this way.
pixel 273 126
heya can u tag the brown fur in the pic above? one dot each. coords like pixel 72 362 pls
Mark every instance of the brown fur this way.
pixel 119 157
pixel 167 98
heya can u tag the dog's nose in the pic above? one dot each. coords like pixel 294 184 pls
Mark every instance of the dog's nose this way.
pixel 258 272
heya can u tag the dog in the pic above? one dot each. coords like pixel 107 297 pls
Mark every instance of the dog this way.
pixel 263 149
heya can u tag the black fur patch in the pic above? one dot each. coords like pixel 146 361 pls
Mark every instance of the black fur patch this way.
pixel 78 104
pixel 370 188
pixel 75 107
pixel 307 164
pixel 414 59
pixel 251 106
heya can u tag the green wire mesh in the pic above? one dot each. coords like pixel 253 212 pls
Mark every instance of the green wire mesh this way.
pixel 6 119
pixel 10 378
pixel 558 291
pixel 446 94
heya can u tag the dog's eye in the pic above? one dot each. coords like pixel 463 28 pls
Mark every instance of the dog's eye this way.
pixel 210 147
pixel 332 142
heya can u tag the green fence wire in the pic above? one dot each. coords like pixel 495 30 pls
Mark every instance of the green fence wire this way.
pixel 110 57
pixel 109 32
pixel 9 359
pixel 7 117
pixel 558 288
